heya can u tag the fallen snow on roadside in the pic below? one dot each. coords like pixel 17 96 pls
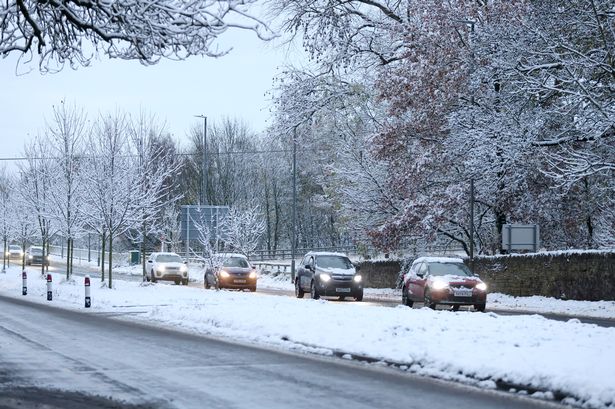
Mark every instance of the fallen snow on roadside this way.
pixel 566 357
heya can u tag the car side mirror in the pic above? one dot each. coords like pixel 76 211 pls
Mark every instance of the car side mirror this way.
pixel 186 262
pixel 308 267
pixel 149 261
pixel 420 275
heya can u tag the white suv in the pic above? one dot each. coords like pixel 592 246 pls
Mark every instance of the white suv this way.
pixel 167 267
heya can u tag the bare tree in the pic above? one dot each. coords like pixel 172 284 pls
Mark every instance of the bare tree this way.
pixel 243 228
pixel 35 189
pixel 74 32
pixel 5 214
pixel 65 137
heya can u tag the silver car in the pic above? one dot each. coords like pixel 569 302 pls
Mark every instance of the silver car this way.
pixel 167 267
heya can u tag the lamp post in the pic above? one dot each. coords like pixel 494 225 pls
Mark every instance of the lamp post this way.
pixel 294 234
pixel 204 164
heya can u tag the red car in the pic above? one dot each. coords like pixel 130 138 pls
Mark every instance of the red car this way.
pixel 443 280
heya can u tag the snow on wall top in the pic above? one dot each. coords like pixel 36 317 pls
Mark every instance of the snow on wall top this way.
pixel 438 260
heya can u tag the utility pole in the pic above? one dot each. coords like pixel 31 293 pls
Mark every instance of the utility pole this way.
pixel 294 235
pixel 472 221
pixel 204 183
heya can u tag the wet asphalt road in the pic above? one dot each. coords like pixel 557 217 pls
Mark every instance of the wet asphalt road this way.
pixel 67 359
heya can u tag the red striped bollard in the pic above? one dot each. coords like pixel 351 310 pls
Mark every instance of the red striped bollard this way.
pixel 88 300
pixel 49 292
pixel 24 283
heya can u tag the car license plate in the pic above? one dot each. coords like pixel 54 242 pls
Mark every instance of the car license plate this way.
pixel 342 290
pixel 239 281
pixel 465 292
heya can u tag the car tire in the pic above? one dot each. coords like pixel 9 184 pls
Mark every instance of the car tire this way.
pixel 185 282
pixel 405 297
pixel 359 297
pixel 178 282
pixel 153 277
pixel 480 307
pixel 341 298
pixel 314 291
pixel 299 293
pixel 253 289
pixel 427 300
pixel 456 307
pixel 206 282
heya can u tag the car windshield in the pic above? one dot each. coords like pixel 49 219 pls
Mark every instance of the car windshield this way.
pixel 445 269
pixel 37 251
pixel 236 262
pixel 14 247
pixel 334 262
pixel 168 258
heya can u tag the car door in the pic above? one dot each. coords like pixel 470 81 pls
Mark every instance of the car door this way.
pixel 416 282
pixel 308 274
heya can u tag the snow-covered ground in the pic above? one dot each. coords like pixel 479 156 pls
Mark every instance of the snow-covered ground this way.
pixel 526 352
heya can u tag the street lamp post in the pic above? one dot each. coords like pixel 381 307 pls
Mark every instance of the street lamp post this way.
pixel 294 234
pixel 204 164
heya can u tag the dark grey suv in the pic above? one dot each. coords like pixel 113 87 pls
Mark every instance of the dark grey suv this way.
pixel 328 275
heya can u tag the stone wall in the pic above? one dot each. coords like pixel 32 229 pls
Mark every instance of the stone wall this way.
pixel 569 275
pixel 380 274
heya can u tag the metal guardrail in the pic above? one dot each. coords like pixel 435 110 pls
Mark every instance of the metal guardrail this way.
pixel 268 267
pixel 283 254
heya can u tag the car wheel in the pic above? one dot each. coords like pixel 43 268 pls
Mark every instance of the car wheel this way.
pixel 455 307
pixel 154 277
pixel 427 300
pixel 314 291
pixel 299 293
pixel 185 282
pixel 359 297
pixel 206 282
pixel 479 307
pixel 405 297
pixel 253 289
pixel 341 298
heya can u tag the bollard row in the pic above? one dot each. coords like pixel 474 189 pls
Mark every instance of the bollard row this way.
pixel 86 281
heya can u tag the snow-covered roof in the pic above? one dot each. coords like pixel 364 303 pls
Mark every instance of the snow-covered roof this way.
pixel 325 253
pixel 156 253
pixel 227 255
pixel 437 260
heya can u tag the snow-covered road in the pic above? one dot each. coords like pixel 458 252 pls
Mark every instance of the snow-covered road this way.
pixel 568 361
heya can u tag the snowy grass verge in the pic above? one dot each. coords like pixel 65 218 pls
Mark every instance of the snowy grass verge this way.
pixel 567 361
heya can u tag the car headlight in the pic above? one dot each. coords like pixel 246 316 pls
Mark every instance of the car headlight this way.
pixel 183 268
pixel 30 256
pixel 357 278
pixel 439 285
pixel 224 274
pixel 481 287
pixel 325 277
pixel 252 274
pixel 161 269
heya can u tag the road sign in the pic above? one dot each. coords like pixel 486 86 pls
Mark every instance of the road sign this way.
pixel 196 218
pixel 517 237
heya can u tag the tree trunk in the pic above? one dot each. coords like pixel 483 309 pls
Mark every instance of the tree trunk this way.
pixel 143 254
pixel 102 257
pixel 110 260
pixel 44 256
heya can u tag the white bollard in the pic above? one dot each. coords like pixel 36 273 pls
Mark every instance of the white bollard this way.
pixel 24 283
pixel 88 300
pixel 49 291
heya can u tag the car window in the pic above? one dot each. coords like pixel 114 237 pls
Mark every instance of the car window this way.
pixel 334 262
pixel 236 262
pixel 37 251
pixel 14 247
pixel 443 269
pixel 168 258
pixel 422 269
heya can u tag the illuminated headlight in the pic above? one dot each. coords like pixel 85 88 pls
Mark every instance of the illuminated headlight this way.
pixel 357 278
pixel 325 277
pixel 439 285
pixel 481 287
pixel 30 256
pixel 47 258
pixel 161 269
pixel 7 254
pixel 224 274
pixel 183 268
pixel 252 275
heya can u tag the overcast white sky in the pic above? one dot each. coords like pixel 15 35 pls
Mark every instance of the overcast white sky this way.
pixel 235 85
